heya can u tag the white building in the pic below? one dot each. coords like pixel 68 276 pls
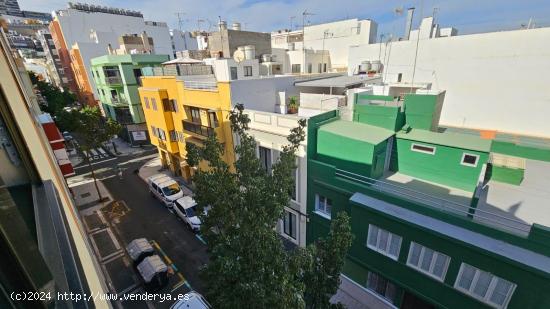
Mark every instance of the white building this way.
pixel 92 29
pixel 183 40
pixel 323 47
pixel 494 81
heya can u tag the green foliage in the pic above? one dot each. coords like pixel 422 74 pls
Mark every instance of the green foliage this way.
pixel 55 98
pixel 293 102
pixel 249 267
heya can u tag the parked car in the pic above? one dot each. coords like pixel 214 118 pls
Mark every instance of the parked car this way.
pixel 186 209
pixel 165 188
pixel 192 300
pixel 153 272
pixel 67 136
pixel 138 249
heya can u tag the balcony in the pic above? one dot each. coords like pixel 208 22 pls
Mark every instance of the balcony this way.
pixel 113 80
pixel 119 100
pixel 197 129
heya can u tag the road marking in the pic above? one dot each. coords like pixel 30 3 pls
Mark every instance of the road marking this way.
pixel 171 264
pixel 94 163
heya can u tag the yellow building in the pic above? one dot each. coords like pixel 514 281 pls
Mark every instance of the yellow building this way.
pixel 178 111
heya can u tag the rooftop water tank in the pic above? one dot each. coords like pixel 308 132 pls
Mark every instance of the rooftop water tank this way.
pixel 365 66
pixel 236 26
pixel 375 65
pixel 222 25
pixel 266 58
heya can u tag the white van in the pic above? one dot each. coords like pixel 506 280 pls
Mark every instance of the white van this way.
pixel 165 188
pixel 192 300
pixel 186 209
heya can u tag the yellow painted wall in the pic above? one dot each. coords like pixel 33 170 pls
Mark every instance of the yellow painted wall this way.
pixel 169 87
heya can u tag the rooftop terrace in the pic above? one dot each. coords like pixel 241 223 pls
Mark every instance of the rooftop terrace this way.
pixel 457 140
pixel 358 131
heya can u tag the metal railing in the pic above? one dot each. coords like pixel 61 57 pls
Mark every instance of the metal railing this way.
pixel 213 86
pixel 113 80
pixel 197 128
pixel 437 202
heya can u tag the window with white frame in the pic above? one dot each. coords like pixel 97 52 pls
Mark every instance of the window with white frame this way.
pixel 247 70
pixel 423 148
pixel 428 261
pixel 289 224
pixel 469 159
pixel 381 286
pixel 323 205
pixel 484 286
pixel 384 242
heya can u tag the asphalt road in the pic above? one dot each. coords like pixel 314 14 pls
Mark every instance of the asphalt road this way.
pixel 148 217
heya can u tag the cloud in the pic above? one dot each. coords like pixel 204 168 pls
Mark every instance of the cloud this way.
pixel 262 15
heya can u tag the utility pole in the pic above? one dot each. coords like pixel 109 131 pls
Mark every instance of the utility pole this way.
pixel 180 20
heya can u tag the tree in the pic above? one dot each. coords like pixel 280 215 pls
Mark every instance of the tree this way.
pixel 55 98
pixel 249 267
pixel 91 130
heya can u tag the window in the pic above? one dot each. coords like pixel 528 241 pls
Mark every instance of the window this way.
pixel 484 286
pixel 296 68
pixel 247 70
pixel 423 148
pixel 174 105
pixel 309 68
pixel 154 131
pixel 194 114
pixel 161 134
pixel 323 205
pixel 166 105
pixel 324 67
pixel 146 100
pixel 213 120
pixel 289 224
pixel 114 95
pixel 154 103
pixel 320 68
pixel 265 158
pixel 137 76
pixel 469 159
pixel 399 77
pixel 173 136
pixel 234 74
pixel 384 242
pixel 428 261
pixel 381 286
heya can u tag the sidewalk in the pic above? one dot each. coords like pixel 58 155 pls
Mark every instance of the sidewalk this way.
pixel 154 167
pixel 123 148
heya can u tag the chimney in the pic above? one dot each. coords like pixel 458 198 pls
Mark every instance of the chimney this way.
pixel 110 49
pixel 408 26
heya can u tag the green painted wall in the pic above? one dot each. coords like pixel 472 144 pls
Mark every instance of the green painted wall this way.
pixel 512 176
pixel 387 117
pixel 422 111
pixel 128 90
pixel 443 167
pixel 521 151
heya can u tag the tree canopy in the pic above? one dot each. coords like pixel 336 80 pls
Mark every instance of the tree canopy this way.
pixel 249 267
pixel 55 98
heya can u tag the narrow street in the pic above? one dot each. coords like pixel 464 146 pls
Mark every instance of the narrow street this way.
pixel 147 217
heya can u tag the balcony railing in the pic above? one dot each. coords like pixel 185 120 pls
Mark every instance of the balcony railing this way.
pixel 213 86
pixel 113 80
pixel 197 128
pixel 119 100
pixel 482 216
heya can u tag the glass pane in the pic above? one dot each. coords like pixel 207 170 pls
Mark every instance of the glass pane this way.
pixel 383 242
pixel 381 285
pixel 439 265
pixel 391 291
pixel 465 280
pixel 371 281
pixel 415 254
pixel 373 235
pixel 394 245
pixel 500 292
pixel 286 223
pixel 482 284
pixel 426 259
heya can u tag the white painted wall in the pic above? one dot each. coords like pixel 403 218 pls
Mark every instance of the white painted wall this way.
pixel 222 68
pixel 100 29
pixel 182 40
pixel 270 131
pixel 495 81
pixel 263 94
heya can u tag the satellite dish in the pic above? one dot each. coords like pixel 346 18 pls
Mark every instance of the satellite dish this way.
pixel 238 56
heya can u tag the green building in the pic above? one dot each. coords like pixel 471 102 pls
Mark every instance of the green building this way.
pixel 117 78
pixel 441 218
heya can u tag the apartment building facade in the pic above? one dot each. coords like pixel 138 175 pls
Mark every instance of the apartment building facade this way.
pixel 117 78
pixel 45 248
pixel 82 32
pixel 433 226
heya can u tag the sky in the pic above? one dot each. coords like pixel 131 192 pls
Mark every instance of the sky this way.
pixel 468 16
